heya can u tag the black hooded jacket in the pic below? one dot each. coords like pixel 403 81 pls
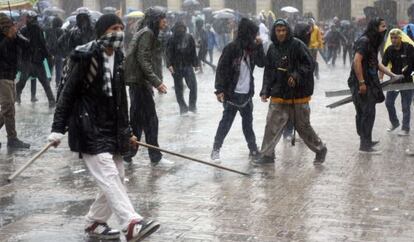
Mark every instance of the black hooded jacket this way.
pixel 10 54
pixel 289 58
pixel 37 51
pixel 96 123
pixel 181 48
pixel 228 69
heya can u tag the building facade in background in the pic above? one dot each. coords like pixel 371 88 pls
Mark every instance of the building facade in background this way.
pixel 321 9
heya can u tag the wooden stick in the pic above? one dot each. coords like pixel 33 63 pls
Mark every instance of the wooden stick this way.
pixel 192 159
pixel 40 153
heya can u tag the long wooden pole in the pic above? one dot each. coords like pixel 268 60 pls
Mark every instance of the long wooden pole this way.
pixel 40 153
pixel 192 159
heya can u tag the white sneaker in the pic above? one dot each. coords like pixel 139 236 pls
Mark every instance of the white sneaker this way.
pixel 403 133
pixel 139 230
pixel 370 151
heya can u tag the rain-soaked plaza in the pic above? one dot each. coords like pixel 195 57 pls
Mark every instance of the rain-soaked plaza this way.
pixel 351 197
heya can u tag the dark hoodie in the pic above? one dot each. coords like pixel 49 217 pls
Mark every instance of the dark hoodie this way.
pixel 181 48
pixel 228 69
pixel 52 36
pixel 143 65
pixel 285 59
pixel 37 51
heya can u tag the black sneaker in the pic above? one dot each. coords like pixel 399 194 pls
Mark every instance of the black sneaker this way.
pixel 34 99
pixel 393 127
pixel 320 156
pixel 374 143
pixel 15 143
pixel 102 231
pixel 265 160
pixel 139 230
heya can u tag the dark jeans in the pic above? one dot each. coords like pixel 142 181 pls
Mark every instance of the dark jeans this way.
pixel 347 50
pixel 186 73
pixel 35 71
pixel 406 100
pixel 314 53
pixel 229 113
pixel 211 54
pixel 365 106
pixel 144 119
pixel 58 63
pixel 332 54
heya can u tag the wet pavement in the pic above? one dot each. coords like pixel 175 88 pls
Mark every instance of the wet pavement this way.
pixel 352 197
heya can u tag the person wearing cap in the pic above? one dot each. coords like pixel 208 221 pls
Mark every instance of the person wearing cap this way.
pixel 143 70
pixel 11 44
pixel 93 107
pixel 401 57
pixel 288 82
pixel 234 84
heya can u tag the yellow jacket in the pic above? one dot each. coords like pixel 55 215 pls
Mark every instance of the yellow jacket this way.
pixel 316 41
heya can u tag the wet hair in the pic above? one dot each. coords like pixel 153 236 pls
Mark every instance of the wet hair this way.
pixel 375 38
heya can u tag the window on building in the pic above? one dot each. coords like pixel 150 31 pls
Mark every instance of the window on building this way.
pixel 328 9
pixel 151 3
pixel 243 6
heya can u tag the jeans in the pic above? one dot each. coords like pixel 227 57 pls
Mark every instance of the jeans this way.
pixel 144 119
pixel 109 173
pixel 332 54
pixel 186 73
pixel 347 50
pixel 406 100
pixel 365 107
pixel 229 113
pixel 211 55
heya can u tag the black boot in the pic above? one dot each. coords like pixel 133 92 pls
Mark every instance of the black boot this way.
pixel 15 143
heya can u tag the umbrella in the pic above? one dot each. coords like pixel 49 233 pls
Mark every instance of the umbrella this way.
pixel 345 22
pixel 95 15
pixel 14 14
pixel 191 3
pixel 109 10
pixel 136 14
pixel 225 10
pixel 289 9
pixel 208 10
pixel 223 15
pixel 53 10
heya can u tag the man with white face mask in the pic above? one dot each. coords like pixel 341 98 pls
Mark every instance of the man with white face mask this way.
pixel 93 107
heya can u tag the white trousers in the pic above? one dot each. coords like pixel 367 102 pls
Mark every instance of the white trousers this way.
pixel 109 173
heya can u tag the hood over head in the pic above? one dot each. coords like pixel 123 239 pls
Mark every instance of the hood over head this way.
pixel 280 22
pixel 152 19
pixel 83 21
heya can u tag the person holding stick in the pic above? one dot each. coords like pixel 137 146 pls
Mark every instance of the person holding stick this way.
pixel 288 80
pixel 93 105
pixel 364 82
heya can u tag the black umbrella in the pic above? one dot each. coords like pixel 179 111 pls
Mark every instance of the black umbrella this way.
pixel 191 3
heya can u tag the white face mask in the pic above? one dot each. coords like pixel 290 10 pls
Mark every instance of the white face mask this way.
pixel 113 40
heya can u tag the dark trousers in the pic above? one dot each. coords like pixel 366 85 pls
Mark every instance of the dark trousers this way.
pixel 144 119
pixel 34 71
pixel 245 107
pixel 365 107
pixel 211 54
pixel 347 51
pixel 406 100
pixel 186 73
pixel 58 64
pixel 332 54
pixel 314 53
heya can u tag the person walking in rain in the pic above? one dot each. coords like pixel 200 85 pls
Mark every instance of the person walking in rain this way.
pixel 288 82
pixel 93 105
pixel 11 44
pixel 32 63
pixel 401 57
pixel 315 44
pixel 235 84
pixel 181 59
pixel 144 72
pixel 364 82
